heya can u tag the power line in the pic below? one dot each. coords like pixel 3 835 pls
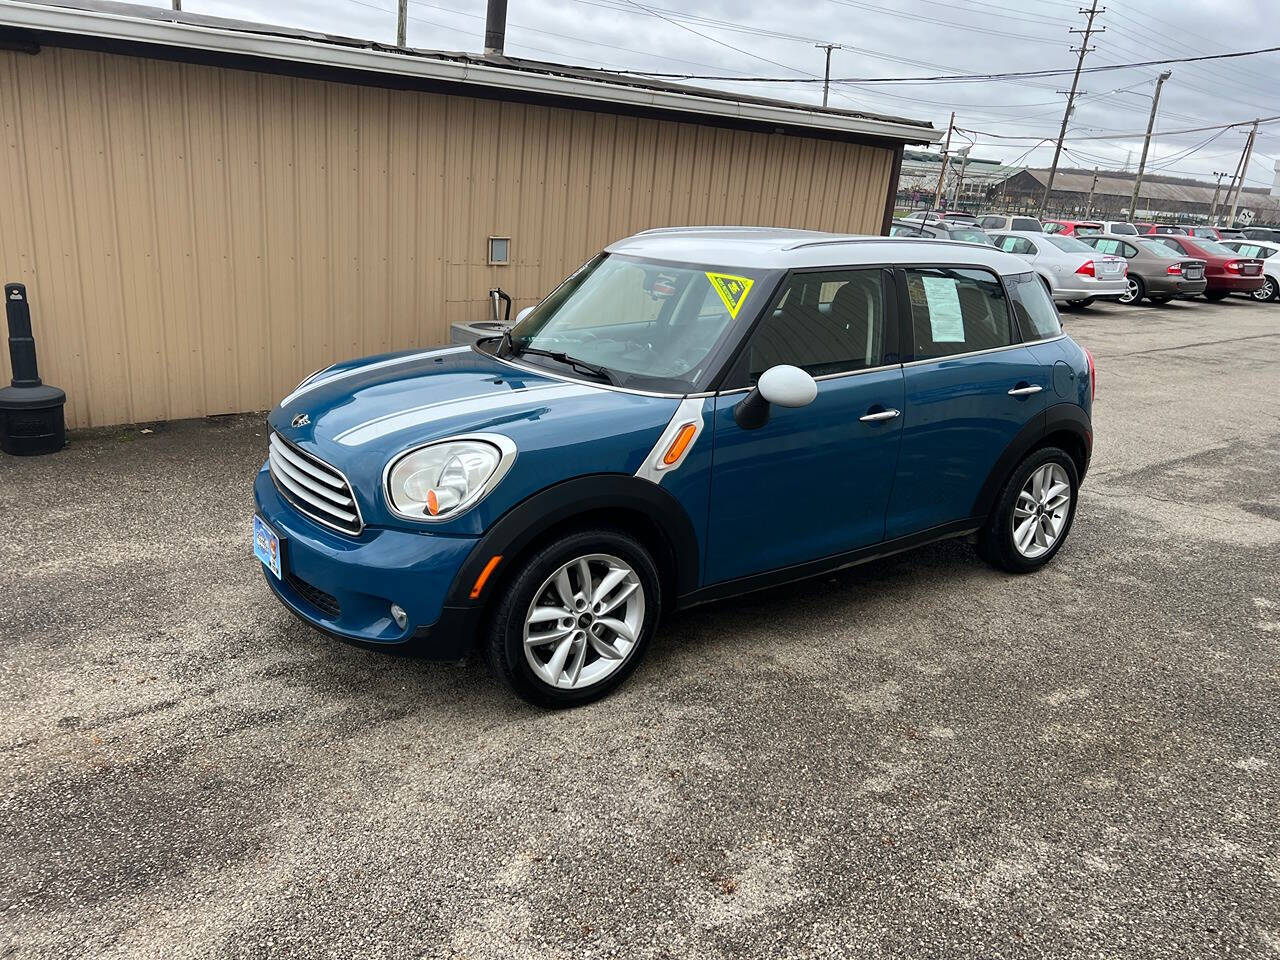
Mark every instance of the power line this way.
pixel 965 78
pixel 1116 136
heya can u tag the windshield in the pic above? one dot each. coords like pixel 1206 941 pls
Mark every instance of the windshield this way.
pixel 642 323
pixel 969 235
pixel 1214 247
pixel 1124 229
pixel 1069 244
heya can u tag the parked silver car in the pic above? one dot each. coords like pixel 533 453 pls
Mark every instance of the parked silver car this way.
pixel 1119 228
pixel 1071 270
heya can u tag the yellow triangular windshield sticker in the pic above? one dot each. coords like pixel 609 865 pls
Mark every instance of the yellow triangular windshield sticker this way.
pixel 732 290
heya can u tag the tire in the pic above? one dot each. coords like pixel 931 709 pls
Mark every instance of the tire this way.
pixel 1135 292
pixel 1081 303
pixel 585 672
pixel 997 543
pixel 1268 292
pixel 1213 296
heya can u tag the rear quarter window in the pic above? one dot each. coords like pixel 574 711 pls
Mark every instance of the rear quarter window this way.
pixel 1033 309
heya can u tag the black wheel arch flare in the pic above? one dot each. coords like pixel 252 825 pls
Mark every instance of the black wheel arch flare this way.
pixel 1059 418
pixel 532 518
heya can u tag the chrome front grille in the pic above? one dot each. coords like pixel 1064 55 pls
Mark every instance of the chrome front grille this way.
pixel 314 487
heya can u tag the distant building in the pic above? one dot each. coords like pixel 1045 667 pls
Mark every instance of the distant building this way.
pixel 919 179
pixel 1161 198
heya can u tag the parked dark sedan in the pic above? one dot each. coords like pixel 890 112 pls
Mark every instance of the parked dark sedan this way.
pixel 1226 271
pixel 1155 272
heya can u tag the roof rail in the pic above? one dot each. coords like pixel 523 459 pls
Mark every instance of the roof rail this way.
pixel 931 241
pixel 708 228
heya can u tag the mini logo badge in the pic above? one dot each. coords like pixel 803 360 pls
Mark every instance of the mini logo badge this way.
pixel 301 420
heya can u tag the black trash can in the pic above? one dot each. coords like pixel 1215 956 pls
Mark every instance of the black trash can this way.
pixel 31 413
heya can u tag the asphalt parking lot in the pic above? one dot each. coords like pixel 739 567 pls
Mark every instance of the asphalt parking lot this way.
pixel 920 758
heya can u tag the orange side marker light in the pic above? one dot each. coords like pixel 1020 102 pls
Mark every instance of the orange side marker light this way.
pixel 484 575
pixel 680 443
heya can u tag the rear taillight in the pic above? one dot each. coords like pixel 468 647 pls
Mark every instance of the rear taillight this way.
pixel 1231 266
pixel 1093 376
pixel 1086 269
pixel 1174 268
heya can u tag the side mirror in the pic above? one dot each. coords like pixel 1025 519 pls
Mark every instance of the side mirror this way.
pixel 785 385
pixel 523 313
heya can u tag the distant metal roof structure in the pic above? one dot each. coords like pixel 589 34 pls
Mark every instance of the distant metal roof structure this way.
pixel 142 31
pixel 1154 187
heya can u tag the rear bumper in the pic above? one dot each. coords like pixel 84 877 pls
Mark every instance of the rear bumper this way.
pixel 345 586
pixel 1235 284
pixel 1081 288
pixel 1174 286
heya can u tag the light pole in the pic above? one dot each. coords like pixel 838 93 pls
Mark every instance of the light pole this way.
pixel 826 77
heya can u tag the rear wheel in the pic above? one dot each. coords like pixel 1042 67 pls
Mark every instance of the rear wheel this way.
pixel 1134 292
pixel 575 620
pixel 1215 295
pixel 1033 513
pixel 1267 292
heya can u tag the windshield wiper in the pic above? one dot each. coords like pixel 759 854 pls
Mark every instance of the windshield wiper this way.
pixel 585 366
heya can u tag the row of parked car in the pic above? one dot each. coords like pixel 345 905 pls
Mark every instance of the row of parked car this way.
pixel 1080 261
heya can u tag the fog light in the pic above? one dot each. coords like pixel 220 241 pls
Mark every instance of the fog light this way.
pixel 399 616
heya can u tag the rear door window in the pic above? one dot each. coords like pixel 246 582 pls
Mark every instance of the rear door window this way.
pixel 957 310
pixel 1105 246
pixel 1033 307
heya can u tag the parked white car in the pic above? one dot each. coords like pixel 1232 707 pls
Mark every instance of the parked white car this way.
pixel 1001 221
pixel 1072 271
pixel 1119 228
pixel 1269 253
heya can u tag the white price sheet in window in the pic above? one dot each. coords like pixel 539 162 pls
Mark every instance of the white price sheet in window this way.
pixel 946 322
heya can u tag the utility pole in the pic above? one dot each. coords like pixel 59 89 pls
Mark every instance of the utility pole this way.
pixel 1087 32
pixel 402 23
pixel 946 152
pixel 964 165
pixel 1088 209
pixel 1213 209
pixel 1244 171
pixel 826 77
pixel 1146 144
pixel 177 5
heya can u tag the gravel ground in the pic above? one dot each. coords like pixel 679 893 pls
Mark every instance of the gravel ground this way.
pixel 919 758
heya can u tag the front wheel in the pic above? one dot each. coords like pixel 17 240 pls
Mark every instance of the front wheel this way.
pixel 1267 292
pixel 575 619
pixel 1215 295
pixel 1134 292
pixel 1033 513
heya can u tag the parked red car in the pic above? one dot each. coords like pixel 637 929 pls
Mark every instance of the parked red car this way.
pixel 1153 229
pixel 1211 233
pixel 1225 270
pixel 1073 228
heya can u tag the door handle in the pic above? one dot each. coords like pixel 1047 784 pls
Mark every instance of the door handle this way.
pixel 1025 391
pixel 880 415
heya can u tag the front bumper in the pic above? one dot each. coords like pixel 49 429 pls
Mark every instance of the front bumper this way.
pixel 345 585
pixel 1082 287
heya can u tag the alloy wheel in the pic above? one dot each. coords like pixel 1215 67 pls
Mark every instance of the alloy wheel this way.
pixel 584 621
pixel 1131 293
pixel 1040 513
pixel 1266 292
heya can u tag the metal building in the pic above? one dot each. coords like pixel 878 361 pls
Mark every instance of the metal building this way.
pixel 204 211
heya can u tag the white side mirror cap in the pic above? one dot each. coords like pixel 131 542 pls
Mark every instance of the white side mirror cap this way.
pixel 523 313
pixel 787 386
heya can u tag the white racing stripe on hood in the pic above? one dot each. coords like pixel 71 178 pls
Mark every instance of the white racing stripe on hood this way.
pixel 444 409
pixel 319 379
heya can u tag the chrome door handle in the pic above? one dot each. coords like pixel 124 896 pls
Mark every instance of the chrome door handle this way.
pixel 1025 391
pixel 882 415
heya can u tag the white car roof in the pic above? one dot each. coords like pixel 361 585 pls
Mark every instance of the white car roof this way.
pixel 778 248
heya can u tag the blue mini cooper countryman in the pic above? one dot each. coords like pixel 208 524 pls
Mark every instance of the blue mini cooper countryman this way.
pixel 693 414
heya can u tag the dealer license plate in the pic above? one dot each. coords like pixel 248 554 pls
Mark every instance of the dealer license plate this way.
pixel 266 545
pixel 1111 268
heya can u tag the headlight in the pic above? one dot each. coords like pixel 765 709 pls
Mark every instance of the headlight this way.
pixel 439 481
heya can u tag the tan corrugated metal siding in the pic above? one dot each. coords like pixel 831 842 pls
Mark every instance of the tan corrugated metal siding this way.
pixel 197 239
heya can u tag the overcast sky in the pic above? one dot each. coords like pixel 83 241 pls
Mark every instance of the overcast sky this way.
pixel 895 38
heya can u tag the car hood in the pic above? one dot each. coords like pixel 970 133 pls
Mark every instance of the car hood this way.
pixel 361 415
